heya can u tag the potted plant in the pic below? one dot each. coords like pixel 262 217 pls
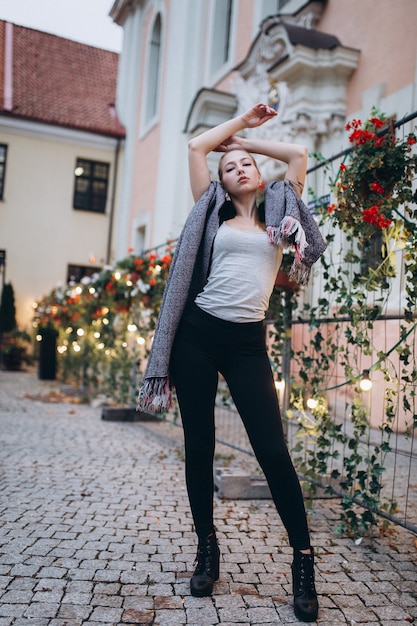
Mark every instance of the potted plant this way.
pixel 371 185
pixel 13 342
pixel 282 280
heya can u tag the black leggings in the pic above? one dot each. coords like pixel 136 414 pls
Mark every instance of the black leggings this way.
pixel 204 346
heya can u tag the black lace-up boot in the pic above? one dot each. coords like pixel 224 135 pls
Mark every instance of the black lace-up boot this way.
pixel 207 567
pixel 305 596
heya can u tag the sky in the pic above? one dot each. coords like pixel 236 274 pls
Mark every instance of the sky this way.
pixel 87 21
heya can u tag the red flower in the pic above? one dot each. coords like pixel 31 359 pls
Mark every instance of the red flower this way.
pixel 152 282
pixel 342 167
pixel 369 215
pixel 331 208
pixel 353 124
pixel 411 140
pixel 379 141
pixel 359 137
pixel 373 216
pixel 377 187
pixel 377 122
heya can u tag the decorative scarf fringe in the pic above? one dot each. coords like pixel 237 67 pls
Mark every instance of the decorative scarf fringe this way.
pixel 155 395
pixel 289 234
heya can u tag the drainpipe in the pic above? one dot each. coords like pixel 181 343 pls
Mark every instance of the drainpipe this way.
pixel 113 200
pixel 8 67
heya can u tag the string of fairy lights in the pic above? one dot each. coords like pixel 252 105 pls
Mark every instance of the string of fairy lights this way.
pixel 364 379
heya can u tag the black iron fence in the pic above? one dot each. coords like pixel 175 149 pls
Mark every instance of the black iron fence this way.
pixel 395 455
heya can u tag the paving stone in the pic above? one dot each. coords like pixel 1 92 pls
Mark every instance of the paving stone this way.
pixel 98 532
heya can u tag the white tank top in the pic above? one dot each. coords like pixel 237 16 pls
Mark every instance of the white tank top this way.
pixel 242 275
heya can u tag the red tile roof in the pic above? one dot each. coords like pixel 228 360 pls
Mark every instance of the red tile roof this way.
pixel 57 81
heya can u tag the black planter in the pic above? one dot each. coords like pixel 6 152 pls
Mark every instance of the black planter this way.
pixel 47 353
pixel 12 359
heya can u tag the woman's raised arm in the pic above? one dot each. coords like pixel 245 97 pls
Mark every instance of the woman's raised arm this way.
pixel 216 139
pixel 295 155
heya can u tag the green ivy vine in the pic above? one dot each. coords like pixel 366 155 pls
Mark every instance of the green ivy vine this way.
pixel 357 274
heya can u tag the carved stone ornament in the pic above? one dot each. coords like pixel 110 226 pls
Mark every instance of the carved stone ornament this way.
pixel 303 75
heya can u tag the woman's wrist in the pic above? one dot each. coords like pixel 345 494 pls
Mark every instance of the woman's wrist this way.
pixel 240 123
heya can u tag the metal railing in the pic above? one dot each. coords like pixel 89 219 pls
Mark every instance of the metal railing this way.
pixel 400 462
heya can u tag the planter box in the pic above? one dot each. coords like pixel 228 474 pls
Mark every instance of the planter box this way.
pixel 283 283
pixel 127 414
pixel 237 484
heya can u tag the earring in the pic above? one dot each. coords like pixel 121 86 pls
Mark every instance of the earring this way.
pixel 227 196
pixel 261 185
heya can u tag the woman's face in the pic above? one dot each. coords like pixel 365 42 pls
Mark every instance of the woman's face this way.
pixel 239 173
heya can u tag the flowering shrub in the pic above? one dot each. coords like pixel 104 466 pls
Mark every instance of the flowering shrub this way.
pixel 105 322
pixel 376 179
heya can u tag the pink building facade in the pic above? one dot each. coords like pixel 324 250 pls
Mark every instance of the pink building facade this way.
pixel 189 64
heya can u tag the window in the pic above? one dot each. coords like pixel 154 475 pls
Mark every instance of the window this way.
pixel 76 272
pixel 154 62
pixel 140 239
pixel 90 186
pixel 272 7
pixel 221 34
pixel 3 154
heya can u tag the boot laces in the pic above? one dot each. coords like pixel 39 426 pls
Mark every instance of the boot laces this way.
pixel 305 579
pixel 203 559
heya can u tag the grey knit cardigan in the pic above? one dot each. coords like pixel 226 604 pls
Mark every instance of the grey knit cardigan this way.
pixel 288 223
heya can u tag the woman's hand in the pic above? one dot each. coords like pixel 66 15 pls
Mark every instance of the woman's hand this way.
pixel 222 138
pixel 258 115
pixel 231 143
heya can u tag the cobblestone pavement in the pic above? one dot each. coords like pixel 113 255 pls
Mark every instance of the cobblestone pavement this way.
pixel 95 530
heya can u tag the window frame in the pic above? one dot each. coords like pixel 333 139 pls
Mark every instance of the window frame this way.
pixel 91 178
pixel 76 272
pixel 215 74
pixel 3 165
pixel 152 80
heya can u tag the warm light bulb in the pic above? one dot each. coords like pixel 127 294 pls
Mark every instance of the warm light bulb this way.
pixel 280 384
pixel 365 383
pixel 312 403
